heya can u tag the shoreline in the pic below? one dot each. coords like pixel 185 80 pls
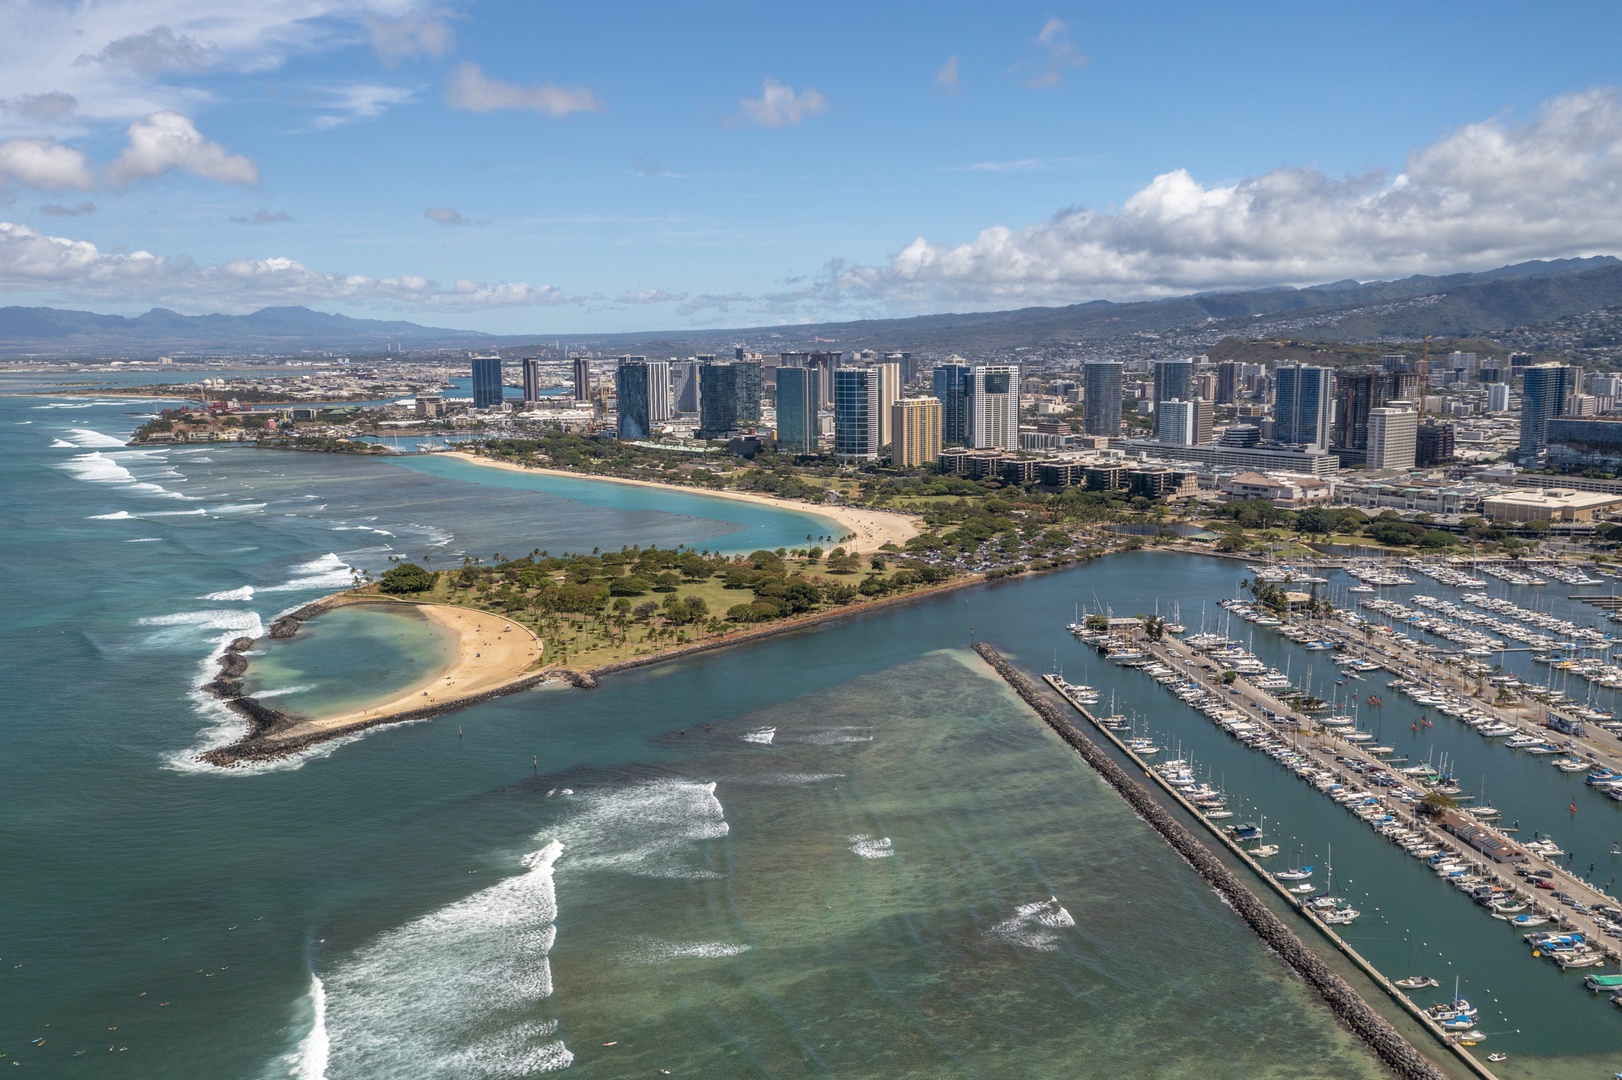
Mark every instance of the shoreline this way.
pixel 273 734
pixel 872 528
pixel 494 657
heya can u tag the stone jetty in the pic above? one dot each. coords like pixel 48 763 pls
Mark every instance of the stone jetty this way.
pixel 1387 1043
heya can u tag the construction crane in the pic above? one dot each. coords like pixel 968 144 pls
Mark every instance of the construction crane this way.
pixel 1424 375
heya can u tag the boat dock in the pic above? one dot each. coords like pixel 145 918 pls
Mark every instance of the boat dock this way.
pixel 1295 902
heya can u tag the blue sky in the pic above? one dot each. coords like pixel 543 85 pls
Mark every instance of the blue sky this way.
pixel 519 167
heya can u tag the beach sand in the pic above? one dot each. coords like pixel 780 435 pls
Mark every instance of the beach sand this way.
pixel 872 528
pixel 491 653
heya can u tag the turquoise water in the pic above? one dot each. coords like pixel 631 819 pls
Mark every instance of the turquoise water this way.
pixel 844 852
pixel 348 658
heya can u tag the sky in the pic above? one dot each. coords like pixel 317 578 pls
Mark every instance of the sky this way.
pixel 540 167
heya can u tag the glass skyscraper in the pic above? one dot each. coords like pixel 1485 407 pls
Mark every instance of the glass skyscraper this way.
pixel 1174 379
pixel 856 414
pixel 952 388
pixel 487 392
pixel 1543 397
pixel 797 393
pixel 728 397
pixel 632 387
pixel 1303 406
pixel 1101 397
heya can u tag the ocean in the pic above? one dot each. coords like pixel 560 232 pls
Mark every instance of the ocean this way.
pixel 848 851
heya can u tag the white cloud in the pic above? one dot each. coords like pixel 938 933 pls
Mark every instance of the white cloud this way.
pixel 445 215
pixel 153 52
pixel 361 101
pixel 41 107
pixel 36 263
pixel 44 164
pixel 947 77
pixel 166 141
pixel 416 33
pixel 1058 56
pixel 1481 196
pixel 779 105
pixel 76 210
pixel 649 296
pixel 472 90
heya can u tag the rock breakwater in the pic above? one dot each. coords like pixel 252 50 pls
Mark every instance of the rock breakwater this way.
pixel 1387 1043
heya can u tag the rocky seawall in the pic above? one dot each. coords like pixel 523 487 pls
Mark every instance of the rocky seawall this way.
pixel 1387 1043
pixel 274 734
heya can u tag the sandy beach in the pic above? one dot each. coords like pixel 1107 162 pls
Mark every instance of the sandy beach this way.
pixel 492 652
pixel 872 528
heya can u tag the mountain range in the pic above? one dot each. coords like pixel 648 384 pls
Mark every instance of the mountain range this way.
pixel 43 331
pixel 1452 306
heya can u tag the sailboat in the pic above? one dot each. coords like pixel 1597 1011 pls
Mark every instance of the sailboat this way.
pixel 1414 982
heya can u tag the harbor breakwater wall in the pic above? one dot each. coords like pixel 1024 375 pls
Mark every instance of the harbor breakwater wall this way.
pixel 1387 1043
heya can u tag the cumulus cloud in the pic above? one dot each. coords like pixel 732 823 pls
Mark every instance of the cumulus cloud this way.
pixel 264 217
pixel 34 262
pixel 471 90
pixel 416 33
pixel 1481 196
pixel 44 164
pixel 166 141
pixel 780 106
pixel 153 52
pixel 649 296
pixel 42 107
pixel 80 209
pixel 1057 56
pixel 947 78
pixel 445 215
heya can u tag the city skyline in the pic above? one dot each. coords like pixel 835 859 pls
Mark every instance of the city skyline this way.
pixel 677 170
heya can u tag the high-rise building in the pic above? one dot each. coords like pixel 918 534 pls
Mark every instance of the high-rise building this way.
pixel 659 402
pixel 1356 392
pixel 1433 445
pixel 994 407
pixel 728 397
pixel 1204 420
pixel 827 363
pixel 1392 438
pixel 1498 397
pixel 1519 362
pixel 889 394
pixel 953 389
pixel 856 414
pixel 633 394
pixel 1227 382
pixel 487 392
pixel 797 410
pixel 1543 396
pixel 1395 362
pixel 916 423
pixel 532 380
pixel 1174 422
pixel 684 386
pixel 1101 397
pixel 1304 405
pixel 1174 379
pixel 582 378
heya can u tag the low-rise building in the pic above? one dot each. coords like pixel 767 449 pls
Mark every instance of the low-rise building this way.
pixel 1548 504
